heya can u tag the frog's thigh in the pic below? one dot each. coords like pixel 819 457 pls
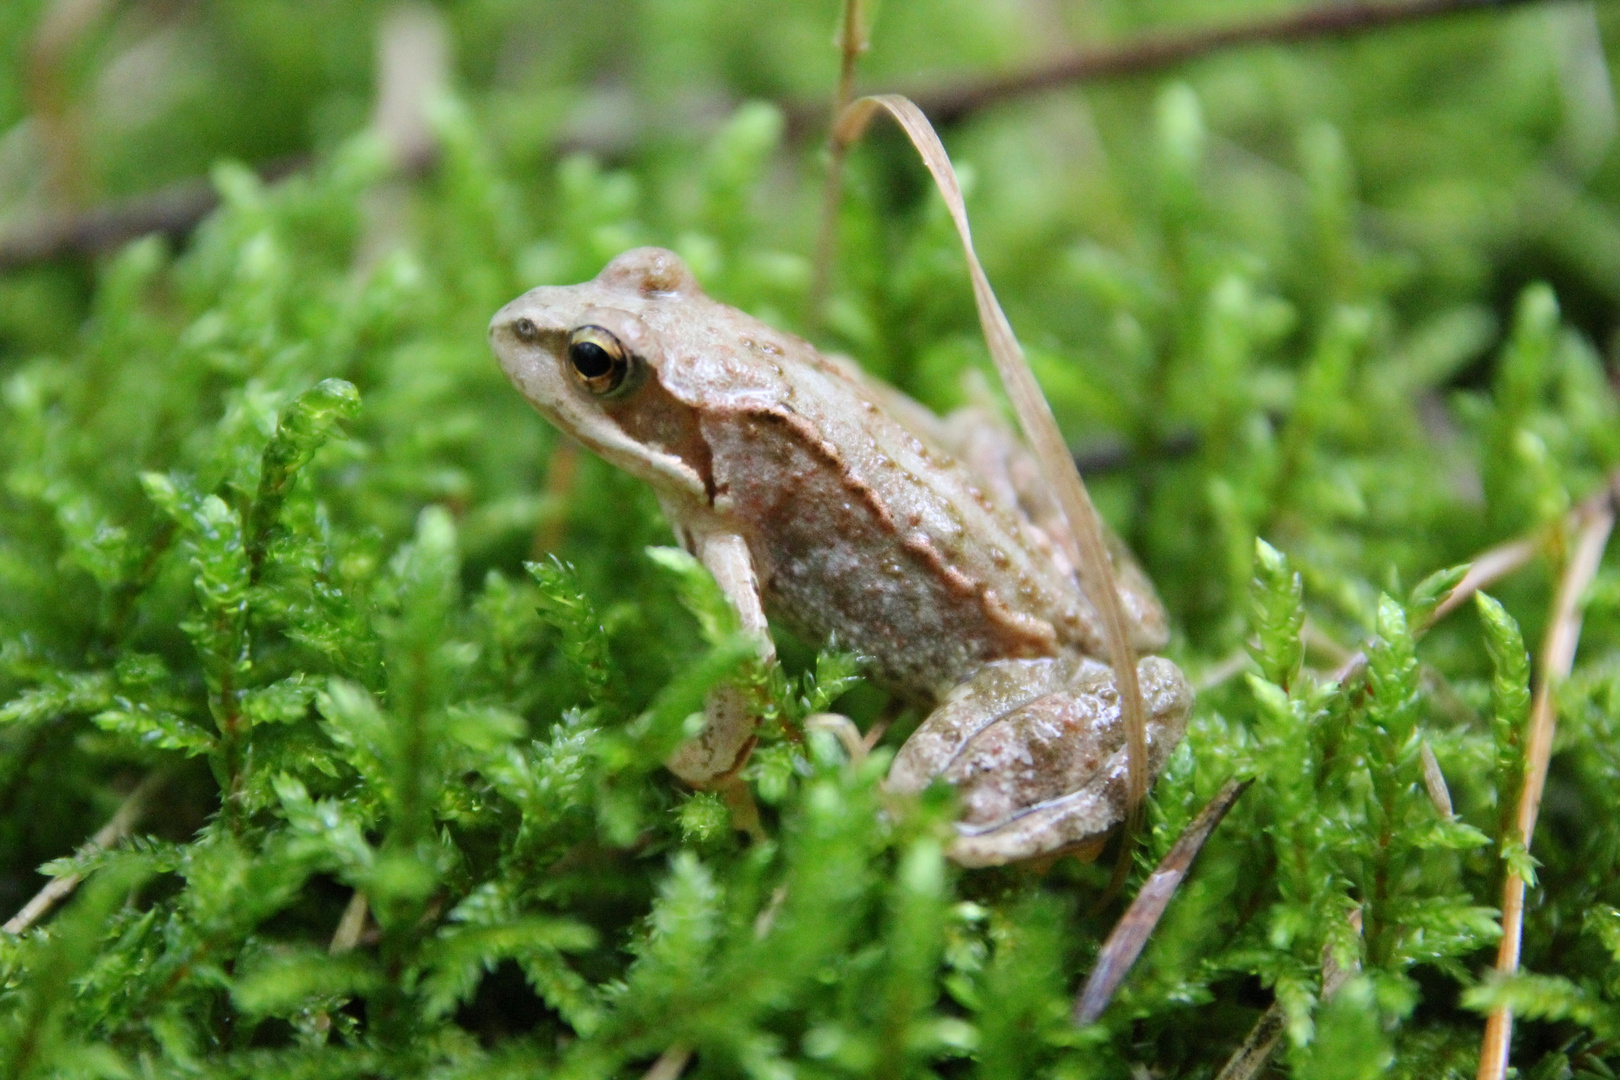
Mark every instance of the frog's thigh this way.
pixel 989 448
pixel 994 690
pixel 1051 774
pixel 727 738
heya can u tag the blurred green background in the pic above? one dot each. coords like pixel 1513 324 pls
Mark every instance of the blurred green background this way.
pixel 1358 297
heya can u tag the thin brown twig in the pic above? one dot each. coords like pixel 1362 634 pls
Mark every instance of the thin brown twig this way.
pixel 1557 659
pixel 174 211
pixel 1251 1056
pixel 1486 569
pixel 118 827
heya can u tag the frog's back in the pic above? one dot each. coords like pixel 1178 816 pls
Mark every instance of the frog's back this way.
pixel 864 528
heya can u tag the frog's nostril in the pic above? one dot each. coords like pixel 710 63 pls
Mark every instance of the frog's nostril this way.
pixel 525 330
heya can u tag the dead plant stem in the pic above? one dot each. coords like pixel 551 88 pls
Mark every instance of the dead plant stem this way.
pixel 176 210
pixel 1034 412
pixel 852 42
pixel 670 1064
pixel 1487 568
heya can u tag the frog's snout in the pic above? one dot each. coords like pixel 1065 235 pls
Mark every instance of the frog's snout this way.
pixel 520 328
pixel 517 338
pixel 504 325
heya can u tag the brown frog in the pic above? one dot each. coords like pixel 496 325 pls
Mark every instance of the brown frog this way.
pixel 843 508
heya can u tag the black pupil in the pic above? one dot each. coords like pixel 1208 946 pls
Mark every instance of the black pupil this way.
pixel 590 359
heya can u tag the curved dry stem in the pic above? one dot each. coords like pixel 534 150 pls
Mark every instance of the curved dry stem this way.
pixel 1040 428
pixel 844 730
pixel 1486 569
pixel 1251 1056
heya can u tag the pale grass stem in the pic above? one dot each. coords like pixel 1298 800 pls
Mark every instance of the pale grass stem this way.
pixel 1595 521
pixel 110 835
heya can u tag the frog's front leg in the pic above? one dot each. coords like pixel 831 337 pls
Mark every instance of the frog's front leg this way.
pixel 714 755
pixel 1036 751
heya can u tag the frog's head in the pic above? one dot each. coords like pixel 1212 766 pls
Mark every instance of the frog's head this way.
pixel 586 358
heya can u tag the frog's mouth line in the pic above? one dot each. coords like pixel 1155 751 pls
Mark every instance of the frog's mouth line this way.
pixel 644 461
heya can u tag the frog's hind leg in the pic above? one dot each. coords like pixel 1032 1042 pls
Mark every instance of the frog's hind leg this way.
pixel 1043 771
pixel 995 690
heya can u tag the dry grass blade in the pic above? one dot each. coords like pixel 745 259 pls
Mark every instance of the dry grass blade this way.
pixel 1255 1051
pixel 1435 782
pixel 670 1064
pixel 1040 428
pixel 844 730
pixel 1488 567
pixel 1557 657
pixel 1130 934
pixel 351 925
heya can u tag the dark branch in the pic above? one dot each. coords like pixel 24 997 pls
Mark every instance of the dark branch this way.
pixel 172 211
pixel 1156 52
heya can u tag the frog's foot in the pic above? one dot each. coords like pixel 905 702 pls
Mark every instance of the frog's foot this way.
pixel 1036 750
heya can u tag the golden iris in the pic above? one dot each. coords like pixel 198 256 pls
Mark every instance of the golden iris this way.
pixel 600 360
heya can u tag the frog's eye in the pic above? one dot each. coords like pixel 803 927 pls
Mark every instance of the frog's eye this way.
pixel 601 361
